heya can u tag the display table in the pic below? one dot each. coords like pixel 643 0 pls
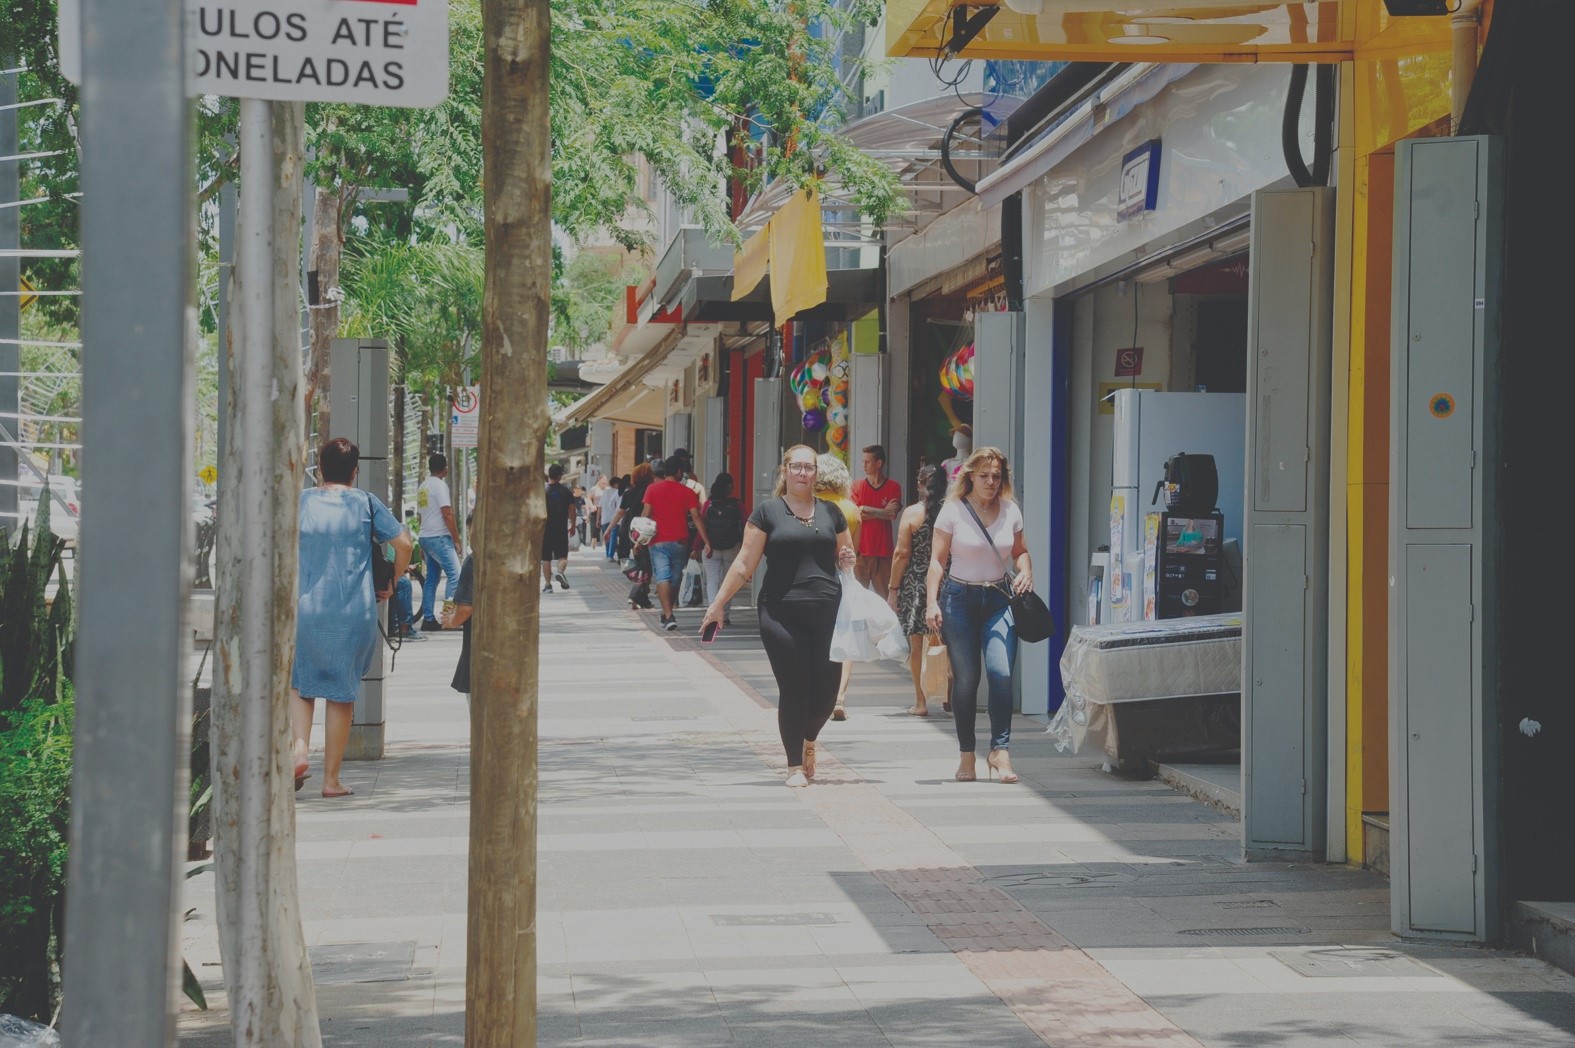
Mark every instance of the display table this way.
pixel 1149 690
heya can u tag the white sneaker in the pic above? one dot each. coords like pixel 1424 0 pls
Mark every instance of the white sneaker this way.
pixel 559 578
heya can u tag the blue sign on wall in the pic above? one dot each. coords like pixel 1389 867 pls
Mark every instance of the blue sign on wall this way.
pixel 1139 181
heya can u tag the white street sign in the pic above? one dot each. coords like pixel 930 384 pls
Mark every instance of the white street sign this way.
pixel 465 417
pixel 377 52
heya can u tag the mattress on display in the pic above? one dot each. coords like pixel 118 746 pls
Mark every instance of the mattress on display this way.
pixel 1152 689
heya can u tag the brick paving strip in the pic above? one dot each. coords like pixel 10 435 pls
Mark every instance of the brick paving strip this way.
pixel 1059 992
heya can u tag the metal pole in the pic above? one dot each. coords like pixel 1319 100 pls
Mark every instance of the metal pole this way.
pixel 226 268
pixel 133 711
pixel 10 306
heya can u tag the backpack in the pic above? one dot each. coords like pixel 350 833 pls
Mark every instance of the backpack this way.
pixel 724 523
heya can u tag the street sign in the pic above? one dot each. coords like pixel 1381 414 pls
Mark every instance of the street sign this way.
pixel 377 52
pixel 465 417
pixel 28 298
pixel 208 475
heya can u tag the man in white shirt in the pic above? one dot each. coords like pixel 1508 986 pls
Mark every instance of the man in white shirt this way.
pixel 439 539
pixel 610 499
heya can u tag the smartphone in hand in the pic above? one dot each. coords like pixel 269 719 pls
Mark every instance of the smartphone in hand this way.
pixel 708 634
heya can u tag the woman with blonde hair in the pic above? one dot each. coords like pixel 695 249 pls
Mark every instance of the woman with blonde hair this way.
pixel 968 589
pixel 804 541
pixel 833 483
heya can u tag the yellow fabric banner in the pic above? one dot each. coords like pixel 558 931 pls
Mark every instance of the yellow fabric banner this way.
pixel 749 262
pixel 798 257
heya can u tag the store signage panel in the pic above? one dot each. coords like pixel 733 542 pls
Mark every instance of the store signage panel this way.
pixel 377 52
pixel 1139 190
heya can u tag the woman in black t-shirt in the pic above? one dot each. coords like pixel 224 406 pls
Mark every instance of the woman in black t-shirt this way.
pixel 805 541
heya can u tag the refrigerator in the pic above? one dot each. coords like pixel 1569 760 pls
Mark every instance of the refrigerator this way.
pixel 1150 427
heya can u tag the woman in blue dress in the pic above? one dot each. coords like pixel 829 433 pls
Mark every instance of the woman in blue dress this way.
pixel 336 611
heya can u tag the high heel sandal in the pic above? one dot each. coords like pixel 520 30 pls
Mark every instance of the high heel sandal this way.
pixel 965 768
pixel 1004 766
pixel 796 778
pixel 809 759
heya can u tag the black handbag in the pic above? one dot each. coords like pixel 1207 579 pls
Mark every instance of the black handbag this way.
pixel 1031 618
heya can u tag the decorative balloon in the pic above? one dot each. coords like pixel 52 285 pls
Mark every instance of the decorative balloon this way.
pixel 837 436
pixel 957 373
pixel 837 414
pixel 814 420
pixel 809 400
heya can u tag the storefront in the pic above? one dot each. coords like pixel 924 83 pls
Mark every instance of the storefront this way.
pixel 1139 275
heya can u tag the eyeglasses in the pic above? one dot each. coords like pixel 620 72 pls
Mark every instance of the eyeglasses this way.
pixel 801 467
pixel 988 476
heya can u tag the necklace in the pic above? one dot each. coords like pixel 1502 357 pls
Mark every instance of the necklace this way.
pixel 808 522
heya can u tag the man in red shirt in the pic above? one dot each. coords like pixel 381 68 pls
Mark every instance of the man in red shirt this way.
pixel 879 499
pixel 672 504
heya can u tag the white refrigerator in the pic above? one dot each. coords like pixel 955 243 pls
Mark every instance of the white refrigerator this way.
pixel 1150 427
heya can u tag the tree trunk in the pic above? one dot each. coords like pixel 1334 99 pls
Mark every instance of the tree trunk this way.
pixel 266 972
pixel 500 990
pixel 327 250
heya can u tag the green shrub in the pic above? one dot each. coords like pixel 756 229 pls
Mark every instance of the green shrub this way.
pixel 35 769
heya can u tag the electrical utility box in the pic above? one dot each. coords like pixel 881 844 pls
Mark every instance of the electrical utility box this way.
pixel 359 409
pixel 1444 539
pixel 1285 589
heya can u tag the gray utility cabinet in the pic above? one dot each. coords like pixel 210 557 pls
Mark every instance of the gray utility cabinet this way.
pixel 1285 592
pixel 997 416
pixel 359 409
pixel 1443 559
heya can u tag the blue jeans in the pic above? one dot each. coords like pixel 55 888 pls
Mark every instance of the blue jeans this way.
pixel 976 624
pixel 439 553
pixel 667 561
pixel 402 607
pixel 610 534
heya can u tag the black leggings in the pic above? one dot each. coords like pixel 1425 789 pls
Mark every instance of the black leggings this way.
pixel 797 636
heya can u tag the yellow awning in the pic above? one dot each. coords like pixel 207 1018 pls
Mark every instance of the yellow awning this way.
pixel 792 248
pixel 1170 31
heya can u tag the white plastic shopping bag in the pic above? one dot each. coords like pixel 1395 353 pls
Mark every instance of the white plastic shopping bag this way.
pixel 867 629
pixel 691 581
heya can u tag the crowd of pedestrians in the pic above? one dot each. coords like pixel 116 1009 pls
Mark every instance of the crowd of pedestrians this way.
pixel 947 565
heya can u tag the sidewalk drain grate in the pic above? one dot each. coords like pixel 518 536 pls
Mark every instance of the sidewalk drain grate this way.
pixel 1249 904
pixel 361 962
pixel 1341 962
pixel 773 920
pixel 1058 880
pixel 1284 930
pixel 658 719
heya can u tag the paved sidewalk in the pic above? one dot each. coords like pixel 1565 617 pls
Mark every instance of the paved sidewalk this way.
pixel 686 898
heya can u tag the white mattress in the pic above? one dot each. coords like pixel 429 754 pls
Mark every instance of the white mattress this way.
pixel 1124 661
pixel 1135 661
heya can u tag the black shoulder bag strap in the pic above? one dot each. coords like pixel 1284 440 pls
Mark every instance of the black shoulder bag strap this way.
pixel 988 541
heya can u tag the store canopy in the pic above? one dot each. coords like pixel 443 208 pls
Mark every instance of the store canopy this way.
pixel 850 293
pixel 907 140
pixel 622 399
